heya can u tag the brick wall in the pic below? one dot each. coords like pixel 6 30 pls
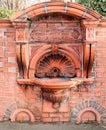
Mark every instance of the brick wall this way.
pixel 8 67
pixel 12 96
pixel 20 103
pixel 96 93
pixel 100 64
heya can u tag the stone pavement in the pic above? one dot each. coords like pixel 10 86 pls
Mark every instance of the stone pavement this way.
pixel 65 126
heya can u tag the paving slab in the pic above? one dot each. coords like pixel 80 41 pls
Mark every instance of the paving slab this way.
pixel 56 126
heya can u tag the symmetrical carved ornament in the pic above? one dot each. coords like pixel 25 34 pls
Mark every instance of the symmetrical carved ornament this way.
pixel 55 65
pixel 59 35
pixel 55 60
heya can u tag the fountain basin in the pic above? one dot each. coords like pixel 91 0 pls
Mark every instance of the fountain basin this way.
pixel 53 84
pixel 55 90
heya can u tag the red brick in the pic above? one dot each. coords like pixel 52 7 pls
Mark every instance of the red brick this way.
pixel 101 79
pixel 100 69
pixel 103 93
pixel 104 83
pixel 56 114
pixel 98 84
pixel 52 25
pixel 2 53
pixel 1 64
pixel 45 115
pixel 98 94
pixel 9 34
pixel 66 114
pixel 10 54
pixel 65 119
pixel 99 33
pixel 104 103
pixel 9 65
pixel 12 59
pixel 99 74
pixel 87 94
pixel 47 119
pixel 101 49
pixel 11 49
pixel 1 76
pixel 3 69
pixel 100 44
pixel 55 119
pixel 12 69
pixel 101 53
pixel 100 39
pixel 99 88
pixel 10 39
pixel 104 74
pixel 10 44
pixel 11 30
pixel 3 59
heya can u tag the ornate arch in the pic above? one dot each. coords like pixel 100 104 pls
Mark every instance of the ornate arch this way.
pixel 52 7
pixel 88 20
pixel 88 106
pixel 20 114
pixel 47 49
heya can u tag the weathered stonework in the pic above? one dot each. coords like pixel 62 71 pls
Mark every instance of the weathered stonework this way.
pixel 52 64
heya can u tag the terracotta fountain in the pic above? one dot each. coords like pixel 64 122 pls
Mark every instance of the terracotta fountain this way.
pixel 56 72
pixel 56 53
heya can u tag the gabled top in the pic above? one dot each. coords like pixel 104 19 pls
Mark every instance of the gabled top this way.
pixel 52 7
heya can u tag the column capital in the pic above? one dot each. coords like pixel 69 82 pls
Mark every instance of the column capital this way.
pixel 90 23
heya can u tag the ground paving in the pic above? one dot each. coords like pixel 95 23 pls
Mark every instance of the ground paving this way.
pixel 40 126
